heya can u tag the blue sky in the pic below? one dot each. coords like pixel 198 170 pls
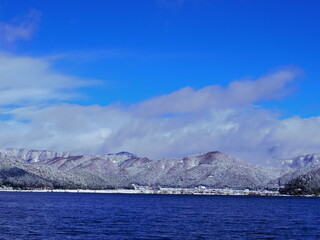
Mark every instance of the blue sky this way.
pixel 125 54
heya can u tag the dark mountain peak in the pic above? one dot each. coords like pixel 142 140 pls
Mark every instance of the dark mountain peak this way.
pixel 125 154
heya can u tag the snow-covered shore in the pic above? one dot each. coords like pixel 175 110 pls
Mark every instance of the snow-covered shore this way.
pixel 177 191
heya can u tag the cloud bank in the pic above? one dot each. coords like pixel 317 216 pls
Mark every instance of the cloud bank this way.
pixel 34 115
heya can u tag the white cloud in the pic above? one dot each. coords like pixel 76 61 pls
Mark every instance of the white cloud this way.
pixel 26 80
pixel 251 133
pixel 183 122
pixel 20 28
pixel 237 93
pixel 295 136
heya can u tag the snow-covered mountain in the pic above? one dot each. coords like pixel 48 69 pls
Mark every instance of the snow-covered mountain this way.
pixel 213 169
pixel 31 155
pixel 302 161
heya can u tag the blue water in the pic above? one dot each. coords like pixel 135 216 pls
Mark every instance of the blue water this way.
pixel 122 216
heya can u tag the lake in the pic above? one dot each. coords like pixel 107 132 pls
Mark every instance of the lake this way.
pixel 123 216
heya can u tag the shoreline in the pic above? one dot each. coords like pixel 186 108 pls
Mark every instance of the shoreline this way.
pixel 162 191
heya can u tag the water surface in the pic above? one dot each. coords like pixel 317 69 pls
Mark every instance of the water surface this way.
pixel 125 216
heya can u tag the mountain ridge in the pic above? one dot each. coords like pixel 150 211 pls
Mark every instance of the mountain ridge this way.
pixel 121 170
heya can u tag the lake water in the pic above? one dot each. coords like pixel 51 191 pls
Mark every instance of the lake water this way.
pixel 124 216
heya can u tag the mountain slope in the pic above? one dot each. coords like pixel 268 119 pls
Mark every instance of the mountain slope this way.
pixel 302 161
pixel 306 184
pixel 19 174
pixel 121 170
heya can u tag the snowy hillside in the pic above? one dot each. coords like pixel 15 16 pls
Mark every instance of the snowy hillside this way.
pixel 213 169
